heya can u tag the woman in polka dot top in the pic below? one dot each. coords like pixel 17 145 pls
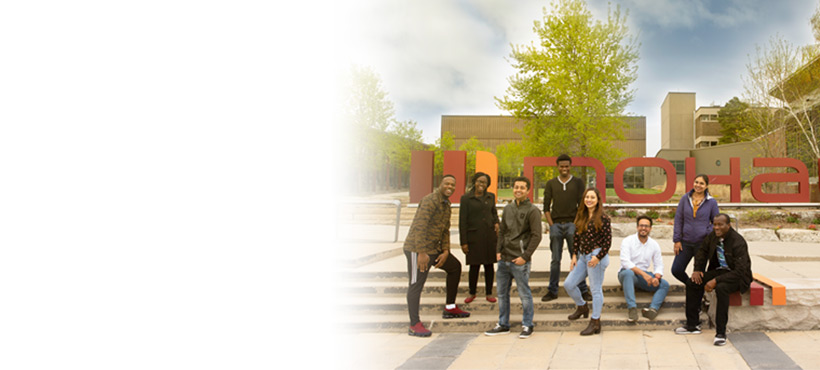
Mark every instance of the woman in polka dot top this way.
pixel 590 256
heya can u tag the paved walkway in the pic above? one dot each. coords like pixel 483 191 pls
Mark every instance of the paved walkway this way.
pixel 627 349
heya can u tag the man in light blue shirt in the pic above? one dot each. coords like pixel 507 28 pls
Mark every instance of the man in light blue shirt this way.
pixel 637 252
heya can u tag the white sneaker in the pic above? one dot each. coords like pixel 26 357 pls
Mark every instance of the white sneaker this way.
pixel 498 330
pixel 684 330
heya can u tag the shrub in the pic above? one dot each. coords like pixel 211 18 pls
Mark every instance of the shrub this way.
pixel 671 214
pixel 793 218
pixel 653 214
pixel 757 215
pixel 631 214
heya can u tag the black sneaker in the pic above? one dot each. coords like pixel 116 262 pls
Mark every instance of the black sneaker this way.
pixel 498 330
pixel 550 296
pixel 526 331
pixel 720 339
pixel 632 314
pixel 587 296
pixel 649 313
pixel 683 330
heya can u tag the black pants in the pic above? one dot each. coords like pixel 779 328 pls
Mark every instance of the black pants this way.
pixel 489 277
pixel 694 296
pixel 417 279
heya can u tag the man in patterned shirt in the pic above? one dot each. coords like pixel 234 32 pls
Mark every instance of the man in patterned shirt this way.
pixel 428 244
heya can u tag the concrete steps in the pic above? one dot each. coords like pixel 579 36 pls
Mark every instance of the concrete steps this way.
pixel 434 305
pixel 376 301
pixel 436 288
pixel 478 323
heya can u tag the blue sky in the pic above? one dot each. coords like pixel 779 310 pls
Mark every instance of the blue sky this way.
pixel 448 57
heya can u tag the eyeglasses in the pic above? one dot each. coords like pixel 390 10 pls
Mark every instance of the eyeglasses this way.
pixel 647 226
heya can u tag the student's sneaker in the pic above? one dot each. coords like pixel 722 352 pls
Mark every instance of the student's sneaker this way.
pixel 525 332
pixel 549 296
pixel 498 330
pixel 454 313
pixel 683 330
pixel 720 339
pixel 419 330
pixel 649 313
pixel 632 316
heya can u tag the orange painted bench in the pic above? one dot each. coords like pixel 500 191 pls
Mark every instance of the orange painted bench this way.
pixel 756 292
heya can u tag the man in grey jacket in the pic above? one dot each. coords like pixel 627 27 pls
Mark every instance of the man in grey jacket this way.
pixel 518 238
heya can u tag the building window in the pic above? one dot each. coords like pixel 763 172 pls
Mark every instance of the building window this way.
pixel 680 166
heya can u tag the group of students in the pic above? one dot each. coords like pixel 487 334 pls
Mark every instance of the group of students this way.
pixel 575 215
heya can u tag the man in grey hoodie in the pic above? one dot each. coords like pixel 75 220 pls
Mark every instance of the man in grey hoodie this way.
pixel 519 235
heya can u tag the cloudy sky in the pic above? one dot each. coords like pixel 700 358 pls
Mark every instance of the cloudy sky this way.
pixel 448 57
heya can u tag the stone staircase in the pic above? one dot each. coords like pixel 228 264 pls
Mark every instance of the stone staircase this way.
pixel 372 281
pixel 376 301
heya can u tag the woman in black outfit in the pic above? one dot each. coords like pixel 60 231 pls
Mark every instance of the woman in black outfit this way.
pixel 478 232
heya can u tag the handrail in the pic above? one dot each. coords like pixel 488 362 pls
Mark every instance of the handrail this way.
pixel 394 202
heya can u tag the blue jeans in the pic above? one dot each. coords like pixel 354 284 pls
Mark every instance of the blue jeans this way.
pixel 596 280
pixel 680 262
pixel 506 272
pixel 630 280
pixel 558 233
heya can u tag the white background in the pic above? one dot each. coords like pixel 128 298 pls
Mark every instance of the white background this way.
pixel 160 192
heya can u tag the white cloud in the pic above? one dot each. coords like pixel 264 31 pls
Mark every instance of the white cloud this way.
pixel 440 57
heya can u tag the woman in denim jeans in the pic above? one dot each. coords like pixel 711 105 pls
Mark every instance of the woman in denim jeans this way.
pixel 590 256
pixel 693 221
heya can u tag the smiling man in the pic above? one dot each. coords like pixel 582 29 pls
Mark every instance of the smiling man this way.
pixel 428 244
pixel 519 235
pixel 638 252
pixel 730 270
pixel 562 195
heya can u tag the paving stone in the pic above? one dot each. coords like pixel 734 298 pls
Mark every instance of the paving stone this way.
pixel 760 352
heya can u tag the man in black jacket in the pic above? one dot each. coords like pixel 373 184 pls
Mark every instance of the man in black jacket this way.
pixel 730 270
pixel 518 238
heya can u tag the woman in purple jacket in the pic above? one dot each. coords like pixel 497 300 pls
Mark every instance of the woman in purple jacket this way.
pixel 693 221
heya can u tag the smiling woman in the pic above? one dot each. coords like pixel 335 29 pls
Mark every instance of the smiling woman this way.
pixel 593 238
pixel 477 229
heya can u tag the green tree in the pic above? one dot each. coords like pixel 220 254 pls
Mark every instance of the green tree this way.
pixel 367 104
pixel 471 146
pixel 732 118
pixel 368 114
pixel 446 142
pixel 404 138
pixel 573 86
pixel 510 158
pixel 780 86
pixel 375 138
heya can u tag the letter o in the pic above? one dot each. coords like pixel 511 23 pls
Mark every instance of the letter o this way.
pixel 671 180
